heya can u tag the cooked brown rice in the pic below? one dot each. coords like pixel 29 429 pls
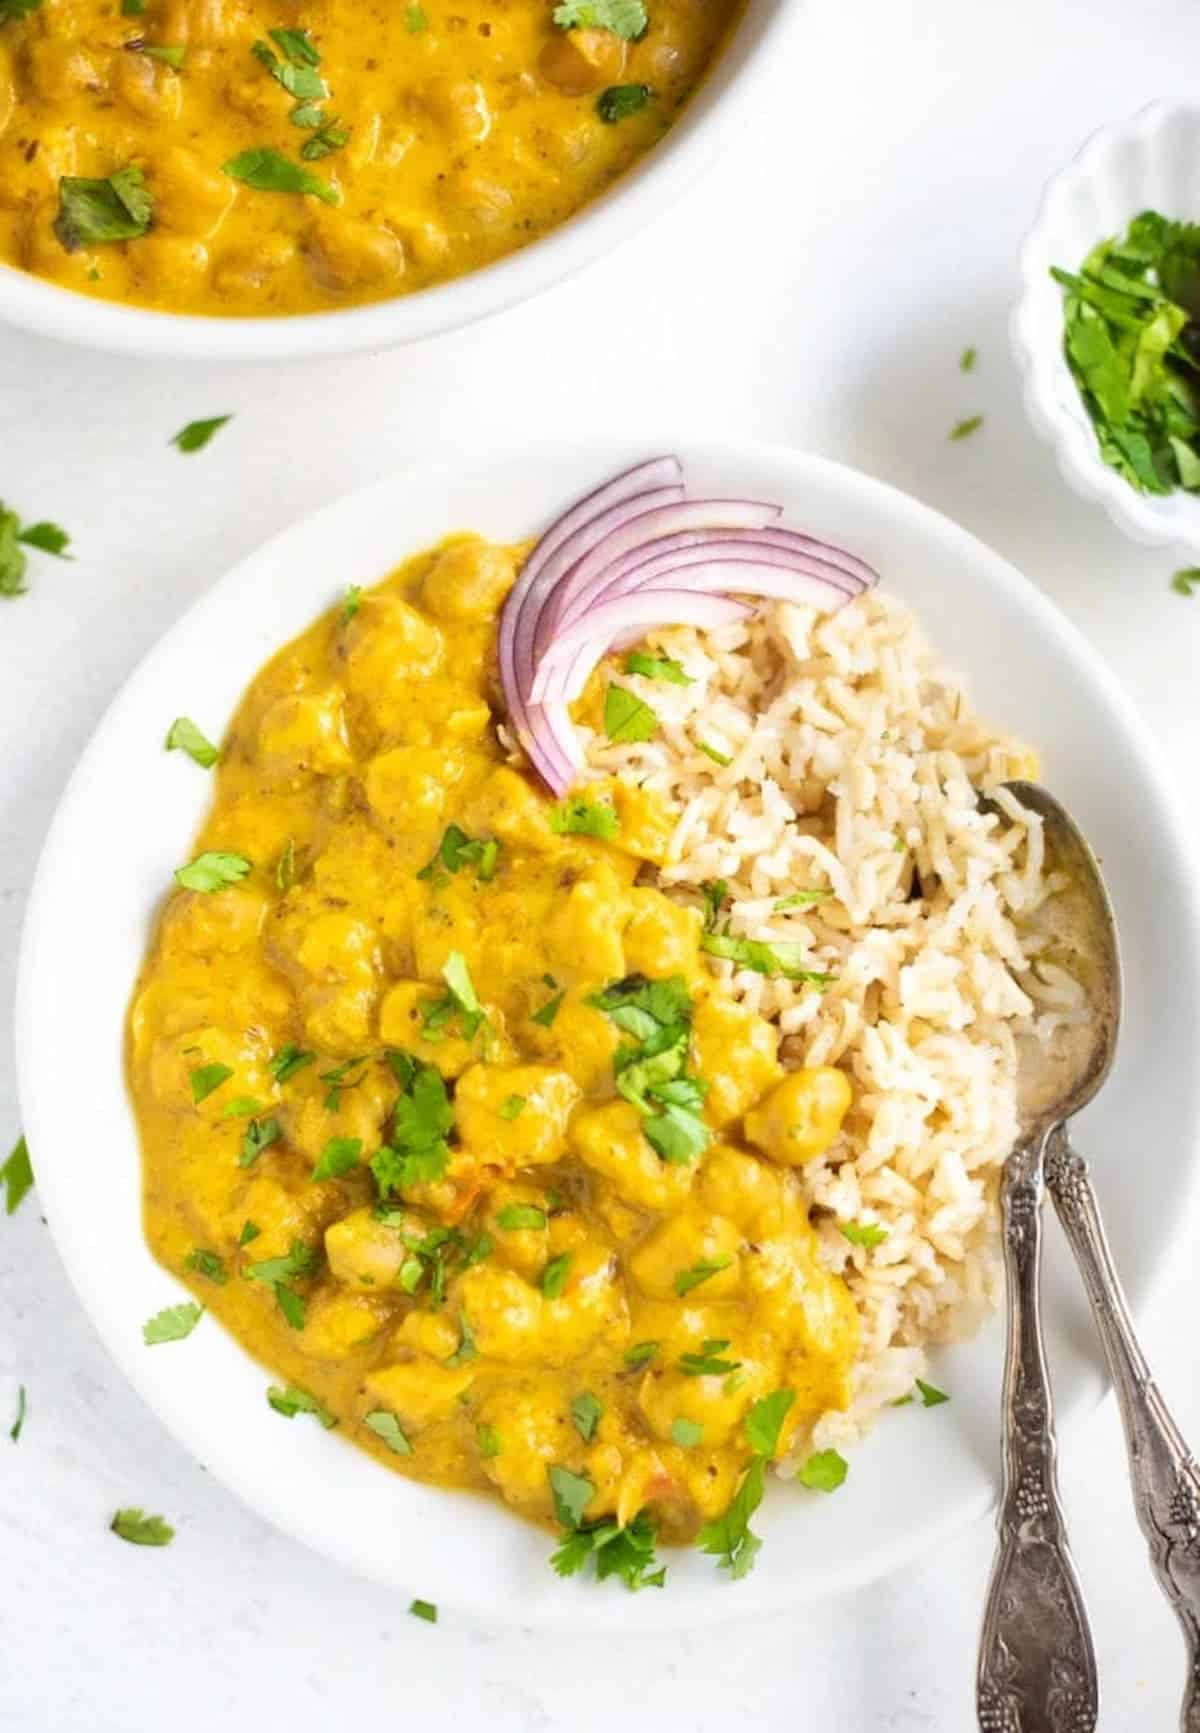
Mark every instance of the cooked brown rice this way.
pixel 856 762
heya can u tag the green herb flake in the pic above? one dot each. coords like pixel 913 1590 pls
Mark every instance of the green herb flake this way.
pixel 964 429
pixel 967 360
pixel 241 1107
pixel 686 1433
pixel 139 1529
pixel 250 1232
pixel 512 1107
pixel 865 1234
pixel 801 900
pixel 95 212
pixel 212 871
pixel 172 1324
pixel 764 1422
pixel 620 101
pixel 686 1280
pixel 208 1264
pixel 721 758
pixel 468 1348
pixel 640 1354
pixel 206 1078
pixel 554 1276
pixel 424 1610
pixel 340 1155
pixel 16 1176
pixel 515 1216
pixel 268 171
pixel 387 1427
pixel 657 668
pixel 784 957
pixel 260 1134
pixel 14 1431
pixel 290 1400
pixel 578 817
pixel 47 538
pixel 729 1538
pixel 133 8
pixel 931 1396
pixel 627 720
pixel 172 54
pixel 458 850
pixel 290 1059
pixel 625 18
pixel 352 603
pixel 184 736
pixel 196 435
pixel 586 1412
pixel 415 20
pixel 708 1363
pixel 824 1471
pixel 418 1153
pixel 488 1442
pixel 1186 581
pixel 549 1011
pixel 626 1553
pixel 571 1494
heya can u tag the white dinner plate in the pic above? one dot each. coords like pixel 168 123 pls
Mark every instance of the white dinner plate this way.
pixel 127 820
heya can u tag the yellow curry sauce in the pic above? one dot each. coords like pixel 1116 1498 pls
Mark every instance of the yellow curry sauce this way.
pixel 561 1295
pixel 452 132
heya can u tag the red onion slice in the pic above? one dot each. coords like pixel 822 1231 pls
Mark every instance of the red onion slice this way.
pixel 642 609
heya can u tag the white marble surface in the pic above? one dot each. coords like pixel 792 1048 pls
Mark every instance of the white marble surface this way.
pixel 818 289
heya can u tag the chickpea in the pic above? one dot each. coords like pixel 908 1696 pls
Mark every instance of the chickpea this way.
pixel 801 1116
pixel 578 62
pixel 168 263
pixel 246 273
pixel 189 196
pixel 459 107
pixel 468 579
pixel 146 86
pixel 59 70
pixel 346 253
pixel 483 202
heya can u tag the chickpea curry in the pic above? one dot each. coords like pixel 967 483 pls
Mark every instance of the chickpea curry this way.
pixel 289 156
pixel 445 1116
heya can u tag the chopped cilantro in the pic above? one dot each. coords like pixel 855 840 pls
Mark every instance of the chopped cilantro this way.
pixel 290 1400
pixel 415 20
pixel 578 817
pixel 285 867
pixel 619 101
pixel 329 136
pixel 724 759
pixel 14 1431
pixel 729 1538
pixel 824 1471
pixel 765 1421
pixel 640 1354
pixel 625 18
pixel 487 1441
pixel 657 668
pixel 48 538
pixel 931 1396
pixel 571 1494
pixel 16 1176
pixel 964 429
pixel 196 435
pixel 208 1264
pixel 352 603
pixel 462 990
pixel 297 72
pixel 686 1280
pixel 171 54
pixel 288 1061
pixel 626 1553
pixel 468 1348
pixel 276 1274
pixel 967 360
pixel 1185 582
pixel 512 1107
pixel 686 1433
pixel 212 871
pixel 268 171
pixel 260 1134
pixel 775 957
pixel 172 1324
pixel 139 1529
pixel 338 1080
pixel 520 1215
pixel 205 1078
pixel 866 1234
pixel 586 1412
pixel 626 718
pixel 424 1610
pixel 11 10
pixel 554 1276
pixel 715 893
pixel 708 1362
pixel 801 900
pixel 387 1427
pixel 94 212
pixel 250 1231
pixel 339 1156
pixel 133 8
pixel 418 1152
pixel 457 850
pixel 651 1072
pixel 184 736
pixel 549 1011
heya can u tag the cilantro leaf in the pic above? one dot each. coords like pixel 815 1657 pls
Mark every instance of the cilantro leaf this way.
pixel 765 1421
pixel 626 718
pixel 270 172
pixel 931 1396
pixel 426 1610
pixel 288 1061
pixel 212 871
pixel 520 1215
pixel 250 1231
pixel 1185 582
pixel 184 736
pixel 708 1362
pixel 387 1427
pixel 586 1412
pixel 196 435
pixel 13 564
pixel 16 1176
pixel 206 1078
pixel 571 1494
pixel 578 817
pixel 208 1264
pixel 627 1553
pixel 866 1234
pixel 640 1354
pixel 554 1276
pixel 48 538
pixel 619 101
pixel 457 850
pixel 676 1134
pixel 277 1273
pixel 776 957
pixel 657 668
pixel 468 1348
pixel 625 18
pixel 260 1134
pixel 352 603
pixel 12 10
pixel 686 1280
pixel 418 1153
pixel 139 1529
pixel 724 759
pixel 824 1471
pixel 339 1156
pixel 415 20
pixel 172 1324
pixel 686 1433
pixel 548 1012
pixel 94 212
pixel 512 1107
pixel 801 900
pixel 290 1400
pixel 488 1442
pixel 967 360
pixel 964 429
pixel 14 1431
pixel 729 1538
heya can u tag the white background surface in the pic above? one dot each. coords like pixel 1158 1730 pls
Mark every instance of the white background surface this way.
pixel 817 289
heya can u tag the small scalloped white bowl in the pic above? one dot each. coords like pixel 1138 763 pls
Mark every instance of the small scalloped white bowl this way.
pixel 1151 162
pixel 725 102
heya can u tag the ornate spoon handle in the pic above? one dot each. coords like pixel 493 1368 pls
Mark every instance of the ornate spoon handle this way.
pixel 1166 1484
pixel 1037 1669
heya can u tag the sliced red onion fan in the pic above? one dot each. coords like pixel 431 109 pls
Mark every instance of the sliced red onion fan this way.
pixel 635 555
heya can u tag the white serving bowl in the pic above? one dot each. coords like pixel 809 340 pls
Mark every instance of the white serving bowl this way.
pixel 721 108
pixel 1151 162
pixel 128 818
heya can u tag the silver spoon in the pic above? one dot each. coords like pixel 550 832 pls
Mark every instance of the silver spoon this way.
pixel 1037 1671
